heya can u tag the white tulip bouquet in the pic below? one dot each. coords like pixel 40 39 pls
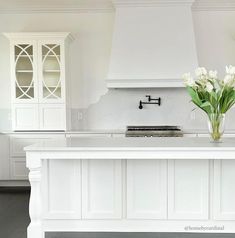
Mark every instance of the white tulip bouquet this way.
pixel 214 96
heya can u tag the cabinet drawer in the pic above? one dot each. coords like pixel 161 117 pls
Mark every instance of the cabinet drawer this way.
pixel 17 143
pixel 18 169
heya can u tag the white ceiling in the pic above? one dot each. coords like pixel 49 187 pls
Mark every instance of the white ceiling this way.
pixel 54 5
pixel 31 6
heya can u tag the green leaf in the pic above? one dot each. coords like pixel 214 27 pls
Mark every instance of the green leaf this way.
pixel 194 96
pixel 207 107
pixel 220 100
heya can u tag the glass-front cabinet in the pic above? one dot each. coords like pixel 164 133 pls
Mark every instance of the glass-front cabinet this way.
pixel 51 72
pixel 24 72
pixel 38 78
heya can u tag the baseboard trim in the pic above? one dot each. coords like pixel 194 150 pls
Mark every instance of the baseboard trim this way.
pixel 14 189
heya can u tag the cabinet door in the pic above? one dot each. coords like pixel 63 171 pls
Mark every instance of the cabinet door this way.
pixel 52 117
pixel 24 72
pixel 224 190
pixel 4 158
pixel 188 189
pixel 51 71
pixel 146 189
pixel 19 170
pixel 101 189
pixel 25 117
pixel 61 186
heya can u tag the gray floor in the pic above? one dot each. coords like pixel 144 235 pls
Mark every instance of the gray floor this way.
pixel 13 214
pixel 14 220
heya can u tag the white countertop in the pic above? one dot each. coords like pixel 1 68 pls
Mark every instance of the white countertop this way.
pixel 166 144
pixel 103 132
pixel 66 132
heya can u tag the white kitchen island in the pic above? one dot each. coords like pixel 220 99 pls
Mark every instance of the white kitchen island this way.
pixel 132 185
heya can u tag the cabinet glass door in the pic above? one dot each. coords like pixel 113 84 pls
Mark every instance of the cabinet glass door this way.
pixel 51 72
pixel 24 72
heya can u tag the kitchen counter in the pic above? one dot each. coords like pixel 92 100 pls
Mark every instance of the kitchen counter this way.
pixel 131 185
pixel 160 148
pixel 138 143
pixel 117 132
pixel 66 132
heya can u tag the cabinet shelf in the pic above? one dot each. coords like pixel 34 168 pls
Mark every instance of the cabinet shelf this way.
pixel 24 71
pixel 23 56
pixel 51 71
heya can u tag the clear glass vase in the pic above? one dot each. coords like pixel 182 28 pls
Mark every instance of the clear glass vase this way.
pixel 216 124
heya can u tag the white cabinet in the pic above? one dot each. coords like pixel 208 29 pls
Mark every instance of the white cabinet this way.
pixel 25 116
pixel 51 70
pixel 186 197
pixel 38 81
pixel 224 190
pixel 4 158
pixel 101 189
pixel 146 189
pixel 52 116
pixel 17 160
pixel 24 70
pixel 63 203
pixel 18 169
pixel 188 189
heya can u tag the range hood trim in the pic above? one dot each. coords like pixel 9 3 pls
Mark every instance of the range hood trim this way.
pixel 143 3
pixel 145 83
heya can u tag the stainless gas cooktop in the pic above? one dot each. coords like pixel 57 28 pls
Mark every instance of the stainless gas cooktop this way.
pixel 153 131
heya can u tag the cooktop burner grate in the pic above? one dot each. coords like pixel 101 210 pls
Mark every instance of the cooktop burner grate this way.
pixel 153 131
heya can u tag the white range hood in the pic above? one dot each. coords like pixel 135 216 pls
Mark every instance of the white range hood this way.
pixel 153 43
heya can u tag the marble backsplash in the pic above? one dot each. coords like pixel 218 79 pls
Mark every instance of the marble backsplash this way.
pixel 119 108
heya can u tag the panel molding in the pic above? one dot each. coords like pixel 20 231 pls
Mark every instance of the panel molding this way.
pixel 74 180
pixel 218 213
pixel 50 124
pixel 203 176
pixel 87 212
pixel 18 169
pixel 160 169
pixel 28 110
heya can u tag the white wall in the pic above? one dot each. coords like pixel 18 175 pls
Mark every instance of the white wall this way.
pixel 90 52
pixel 215 38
